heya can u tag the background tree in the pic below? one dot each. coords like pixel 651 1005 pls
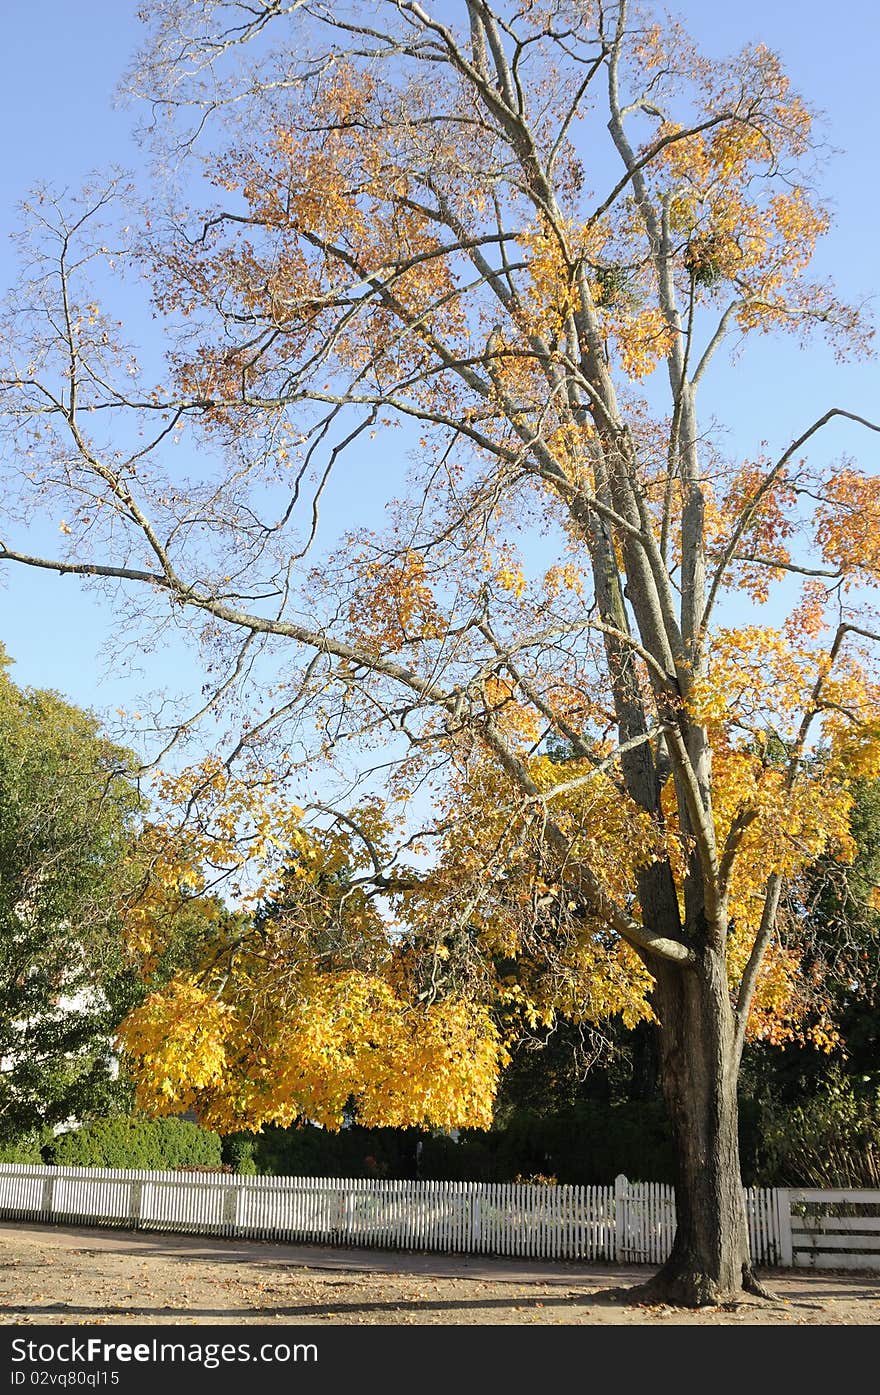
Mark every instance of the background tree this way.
pixel 68 811
pixel 495 226
pixel 87 882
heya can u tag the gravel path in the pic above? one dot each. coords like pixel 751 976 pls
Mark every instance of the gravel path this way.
pixel 50 1274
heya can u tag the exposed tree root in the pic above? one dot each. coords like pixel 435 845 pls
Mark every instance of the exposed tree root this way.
pixel 752 1285
pixel 683 1287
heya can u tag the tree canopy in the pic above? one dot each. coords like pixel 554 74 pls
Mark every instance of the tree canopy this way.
pixel 510 242
pixel 68 810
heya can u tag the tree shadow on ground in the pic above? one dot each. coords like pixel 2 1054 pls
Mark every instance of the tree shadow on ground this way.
pixel 604 1298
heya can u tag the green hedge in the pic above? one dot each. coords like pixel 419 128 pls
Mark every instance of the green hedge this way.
pixel 158 1145
pixel 25 1149
pixel 307 1151
pixel 238 1153
pixel 590 1143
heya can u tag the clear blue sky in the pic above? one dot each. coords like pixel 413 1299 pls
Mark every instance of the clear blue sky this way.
pixel 59 65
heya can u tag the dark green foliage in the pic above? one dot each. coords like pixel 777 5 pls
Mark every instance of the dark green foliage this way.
pixel 238 1153
pixel 129 1141
pixel 614 286
pixel 308 1151
pixel 830 1140
pixel 590 1143
pixel 67 815
pixel 702 260
pixel 846 928
pixel 25 1149
pixel 576 1063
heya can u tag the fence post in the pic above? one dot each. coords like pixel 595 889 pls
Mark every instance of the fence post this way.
pixel 48 1198
pixel 135 1201
pixel 349 1213
pixel 621 1217
pixel 475 1218
pixel 783 1211
pixel 230 1205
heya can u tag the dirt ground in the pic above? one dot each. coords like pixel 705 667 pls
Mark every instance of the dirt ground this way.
pixel 57 1275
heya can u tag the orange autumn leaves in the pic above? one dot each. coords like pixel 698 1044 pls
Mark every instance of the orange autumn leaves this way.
pixel 848 525
pixel 274 1025
pixel 394 604
pixel 330 229
pixel 349 265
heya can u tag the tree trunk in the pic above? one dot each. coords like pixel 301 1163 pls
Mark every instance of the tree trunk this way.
pixel 710 1260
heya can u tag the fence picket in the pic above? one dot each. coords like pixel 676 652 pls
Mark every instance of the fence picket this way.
pixel 628 1221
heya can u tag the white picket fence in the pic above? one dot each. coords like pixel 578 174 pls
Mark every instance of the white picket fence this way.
pixel 835 1229
pixel 630 1221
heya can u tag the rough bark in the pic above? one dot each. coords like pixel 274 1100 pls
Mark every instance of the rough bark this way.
pixel 710 1261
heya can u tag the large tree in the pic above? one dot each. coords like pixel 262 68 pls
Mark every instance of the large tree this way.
pixel 491 225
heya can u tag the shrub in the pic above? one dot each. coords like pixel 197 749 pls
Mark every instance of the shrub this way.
pixel 238 1152
pixel 305 1150
pixel 134 1141
pixel 830 1140
pixel 24 1149
pixel 591 1142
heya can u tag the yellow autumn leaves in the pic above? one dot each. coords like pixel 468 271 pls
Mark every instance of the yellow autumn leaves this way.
pixel 304 1008
pixel 246 1058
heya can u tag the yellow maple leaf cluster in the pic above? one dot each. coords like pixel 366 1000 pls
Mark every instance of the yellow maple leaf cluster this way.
pixel 245 1056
